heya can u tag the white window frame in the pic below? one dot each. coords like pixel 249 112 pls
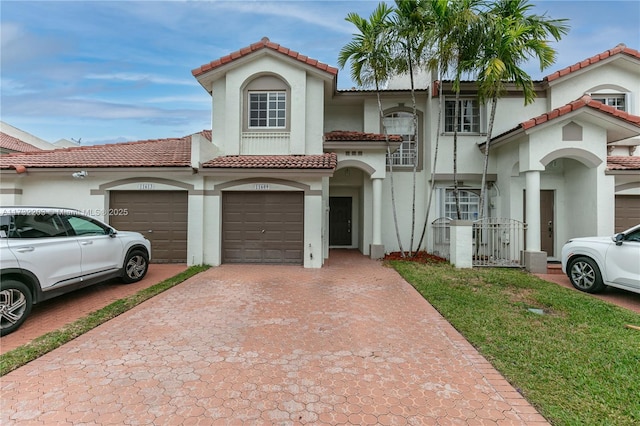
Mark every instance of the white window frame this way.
pixel 275 116
pixel 615 100
pixel 407 152
pixel 469 204
pixel 467 123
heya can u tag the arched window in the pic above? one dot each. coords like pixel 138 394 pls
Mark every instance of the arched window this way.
pixel 266 104
pixel 407 153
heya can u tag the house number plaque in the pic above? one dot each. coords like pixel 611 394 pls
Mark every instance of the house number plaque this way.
pixel 145 186
pixel 262 186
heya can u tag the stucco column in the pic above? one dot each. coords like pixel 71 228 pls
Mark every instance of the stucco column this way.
pixel 534 260
pixel 377 249
pixel 532 182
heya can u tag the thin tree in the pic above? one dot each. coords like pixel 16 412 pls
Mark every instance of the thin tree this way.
pixel 370 57
pixel 448 40
pixel 408 30
pixel 512 36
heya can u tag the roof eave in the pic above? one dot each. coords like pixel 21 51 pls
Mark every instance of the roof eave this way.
pixel 623 172
pixel 263 172
pixel 331 146
pixel 108 169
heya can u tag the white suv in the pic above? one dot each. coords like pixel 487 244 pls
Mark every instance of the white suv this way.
pixel 46 252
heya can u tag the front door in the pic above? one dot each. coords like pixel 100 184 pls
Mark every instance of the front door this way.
pixel 340 221
pixel 547 225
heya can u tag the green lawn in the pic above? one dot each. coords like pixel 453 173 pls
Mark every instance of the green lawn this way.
pixel 577 363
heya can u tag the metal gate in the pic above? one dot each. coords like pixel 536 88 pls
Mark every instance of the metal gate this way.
pixel 498 242
pixel 441 232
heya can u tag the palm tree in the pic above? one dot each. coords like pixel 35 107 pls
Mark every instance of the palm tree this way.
pixel 449 39
pixel 370 57
pixel 408 30
pixel 512 36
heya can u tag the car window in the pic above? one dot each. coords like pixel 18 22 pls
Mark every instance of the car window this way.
pixel 633 236
pixel 86 226
pixel 35 226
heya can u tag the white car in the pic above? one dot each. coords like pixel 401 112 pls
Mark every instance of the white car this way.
pixel 592 263
pixel 46 252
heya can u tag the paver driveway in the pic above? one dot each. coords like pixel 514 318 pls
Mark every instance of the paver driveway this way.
pixel 351 343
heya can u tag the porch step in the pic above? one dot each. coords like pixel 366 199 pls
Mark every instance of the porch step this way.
pixel 554 268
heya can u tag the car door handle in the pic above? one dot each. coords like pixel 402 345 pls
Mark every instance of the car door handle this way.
pixel 86 243
pixel 25 249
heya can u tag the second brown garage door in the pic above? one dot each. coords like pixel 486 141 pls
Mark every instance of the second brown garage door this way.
pixel 262 227
pixel 161 216
pixel 627 211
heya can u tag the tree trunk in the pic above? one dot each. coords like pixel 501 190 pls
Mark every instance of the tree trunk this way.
pixel 455 154
pixel 435 161
pixel 415 158
pixel 483 191
pixel 393 195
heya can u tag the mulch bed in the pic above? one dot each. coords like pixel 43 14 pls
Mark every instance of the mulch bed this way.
pixel 419 257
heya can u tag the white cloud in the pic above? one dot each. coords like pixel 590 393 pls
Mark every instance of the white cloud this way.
pixel 138 77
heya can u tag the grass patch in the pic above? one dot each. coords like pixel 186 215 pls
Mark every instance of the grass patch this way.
pixel 576 363
pixel 52 340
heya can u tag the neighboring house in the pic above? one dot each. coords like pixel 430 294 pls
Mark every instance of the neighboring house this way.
pixel 294 166
pixel 14 140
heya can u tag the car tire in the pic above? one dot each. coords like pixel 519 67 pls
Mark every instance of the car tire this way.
pixel 135 266
pixel 15 305
pixel 585 275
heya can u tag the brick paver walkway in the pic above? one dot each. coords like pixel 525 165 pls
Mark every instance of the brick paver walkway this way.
pixel 351 343
pixel 52 314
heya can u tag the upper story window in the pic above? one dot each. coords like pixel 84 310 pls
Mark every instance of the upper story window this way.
pixel 615 100
pixel 267 110
pixel 468 116
pixel 407 153
pixel 266 104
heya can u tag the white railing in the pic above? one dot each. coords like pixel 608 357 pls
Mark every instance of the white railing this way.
pixel 496 241
pixel 265 143
pixel 441 235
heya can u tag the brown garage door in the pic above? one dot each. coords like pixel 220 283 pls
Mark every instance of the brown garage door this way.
pixel 627 211
pixel 262 227
pixel 161 216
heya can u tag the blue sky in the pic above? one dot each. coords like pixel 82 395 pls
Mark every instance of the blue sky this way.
pixel 112 71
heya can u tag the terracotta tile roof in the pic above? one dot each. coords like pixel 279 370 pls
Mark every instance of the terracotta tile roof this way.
pixel 325 161
pixel 265 43
pixel 206 134
pixel 150 153
pixel 344 136
pixel 623 163
pixel 14 144
pixel 619 49
pixel 582 102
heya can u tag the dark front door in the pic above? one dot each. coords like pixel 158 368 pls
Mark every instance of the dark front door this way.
pixel 547 226
pixel 340 221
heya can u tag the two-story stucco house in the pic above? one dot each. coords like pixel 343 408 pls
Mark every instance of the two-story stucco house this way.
pixel 292 166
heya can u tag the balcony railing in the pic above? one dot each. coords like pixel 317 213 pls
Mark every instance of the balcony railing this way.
pixel 265 143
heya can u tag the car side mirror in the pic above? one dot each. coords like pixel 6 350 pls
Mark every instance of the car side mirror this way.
pixel 618 238
pixel 112 232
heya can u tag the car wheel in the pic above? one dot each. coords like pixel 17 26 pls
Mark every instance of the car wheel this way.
pixel 585 275
pixel 135 266
pixel 15 305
